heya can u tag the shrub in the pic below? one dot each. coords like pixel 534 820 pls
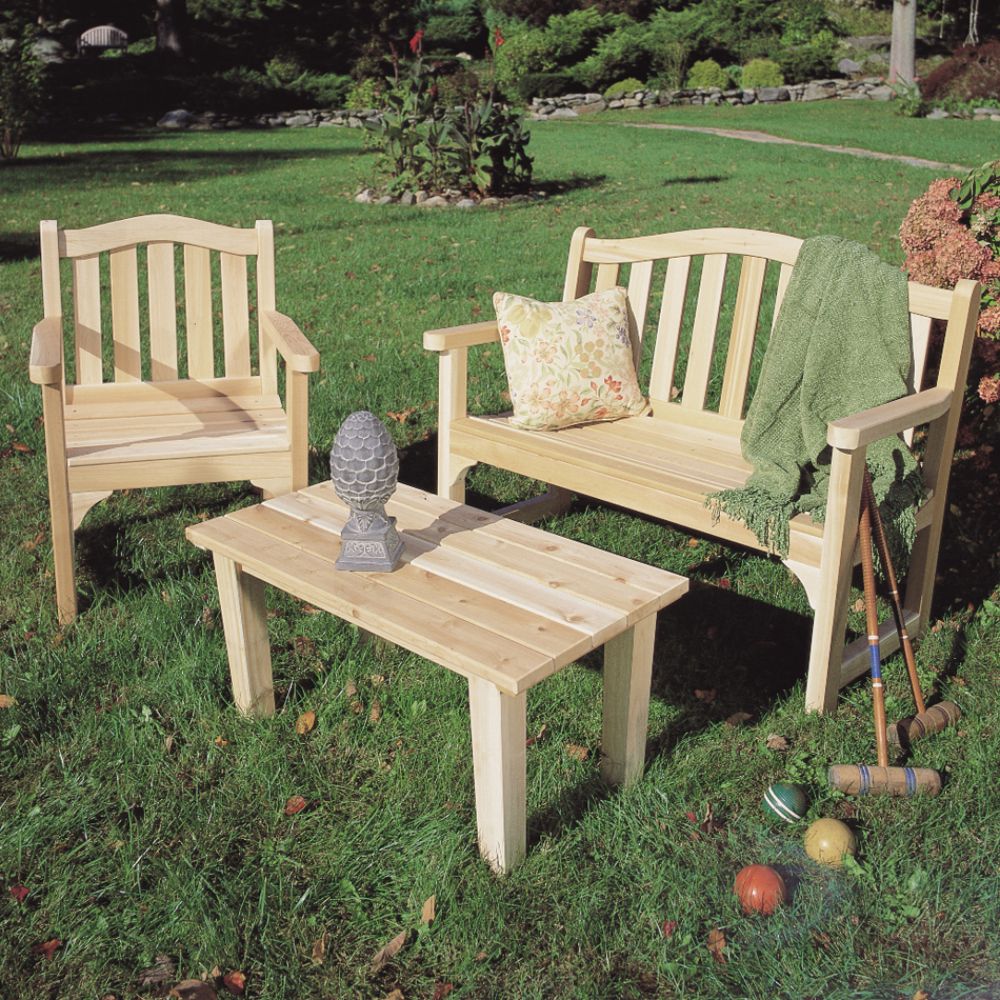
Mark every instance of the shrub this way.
pixel 761 73
pixel 524 51
pixel 627 86
pixel 20 89
pixel 627 51
pixel 545 85
pixel 460 31
pixel 283 70
pixel 324 90
pixel 735 74
pixel 706 74
pixel 972 73
pixel 809 60
pixel 365 94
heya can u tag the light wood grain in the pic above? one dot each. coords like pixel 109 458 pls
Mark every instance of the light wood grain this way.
pixel 666 465
pixel 129 433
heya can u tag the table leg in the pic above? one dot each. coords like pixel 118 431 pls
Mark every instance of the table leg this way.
pixel 244 618
pixel 628 669
pixel 498 763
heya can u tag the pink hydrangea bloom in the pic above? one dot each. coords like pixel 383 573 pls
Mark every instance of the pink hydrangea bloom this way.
pixel 989 388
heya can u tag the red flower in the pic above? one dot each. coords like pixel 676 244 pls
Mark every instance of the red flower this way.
pixel 416 42
pixel 498 38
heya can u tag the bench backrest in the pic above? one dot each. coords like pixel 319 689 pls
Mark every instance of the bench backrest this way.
pixel 124 276
pixel 700 369
pixel 104 36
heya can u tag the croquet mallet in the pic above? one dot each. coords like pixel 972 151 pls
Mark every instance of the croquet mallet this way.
pixel 927 720
pixel 859 779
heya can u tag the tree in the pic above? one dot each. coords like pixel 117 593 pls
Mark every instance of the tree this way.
pixel 171 27
pixel 902 54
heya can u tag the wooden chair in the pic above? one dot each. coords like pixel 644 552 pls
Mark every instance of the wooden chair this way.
pixel 143 406
pixel 704 348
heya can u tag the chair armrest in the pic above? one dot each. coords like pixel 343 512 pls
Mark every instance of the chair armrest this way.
pixel 860 429
pixel 290 341
pixel 45 363
pixel 468 335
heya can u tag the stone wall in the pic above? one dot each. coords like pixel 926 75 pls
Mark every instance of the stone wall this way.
pixel 572 105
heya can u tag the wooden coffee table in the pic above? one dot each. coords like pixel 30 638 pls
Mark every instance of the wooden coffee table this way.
pixel 501 603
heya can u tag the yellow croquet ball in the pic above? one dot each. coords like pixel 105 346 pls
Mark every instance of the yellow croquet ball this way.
pixel 828 840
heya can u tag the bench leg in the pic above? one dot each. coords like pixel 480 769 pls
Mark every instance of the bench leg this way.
pixel 628 670
pixel 498 764
pixel 244 619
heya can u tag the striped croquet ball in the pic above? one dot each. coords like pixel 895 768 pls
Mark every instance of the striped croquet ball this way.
pixel 828 841
pixel 785 802
pixel 760 889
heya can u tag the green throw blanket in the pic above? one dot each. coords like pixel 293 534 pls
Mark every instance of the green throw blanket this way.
pixel 841 344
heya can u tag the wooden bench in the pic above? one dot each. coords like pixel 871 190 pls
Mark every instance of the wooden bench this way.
pixel 699 373
pixel 101 39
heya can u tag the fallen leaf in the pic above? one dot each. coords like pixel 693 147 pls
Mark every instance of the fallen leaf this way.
pixel 308 609
pixel 350 689
pixel 357 708
pixel 396 994
pixel 235 982
pixel 441 990
pixel 706 695
pixel 159 974
pixel 692 543
pixel 691 816
pixel 386 953
pixel 401 416
pixel 7 701
pixel 858 605
pixel 921 995
pixel 725 583
pixel 717 945
pixel 368 357
pixel 30 546
pixel 22 448
pixel 221 742
pixel 776 742
pixel 304 646
pixel 193 989
pixel 48 948
pixel 577 752
pixel 305 722
pixel 377 680
pixel 537 738
pixel 295 805
pixel 821 940
pixel 168 743
pixel 376 711
pixel 481 956
pixel 738 718
pixel 427 912
pixel 319 948
pixel 19 892
pixel 668 928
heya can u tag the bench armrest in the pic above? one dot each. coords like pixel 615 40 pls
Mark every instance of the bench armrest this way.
pixel 290 341
pixel 45 363
pixel 468 335
pixel 860 429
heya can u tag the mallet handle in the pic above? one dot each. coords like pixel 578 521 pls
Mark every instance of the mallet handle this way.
pixel 871 623
pixel 894 599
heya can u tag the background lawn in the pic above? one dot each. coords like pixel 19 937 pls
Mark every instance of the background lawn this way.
pixel 146 818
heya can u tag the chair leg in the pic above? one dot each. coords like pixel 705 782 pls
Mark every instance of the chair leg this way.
pixel 60 509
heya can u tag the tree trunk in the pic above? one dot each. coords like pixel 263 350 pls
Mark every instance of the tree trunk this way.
pixel 902 60
pixel 171 25
pixel 972 38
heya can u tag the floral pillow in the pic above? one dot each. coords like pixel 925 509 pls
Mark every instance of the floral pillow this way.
pixel 568 362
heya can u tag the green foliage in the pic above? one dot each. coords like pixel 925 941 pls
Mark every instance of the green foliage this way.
pixel 365 94
pixel 456 29
pixel 627 51
pixel 323 90
pixel 545 85
pixel 525 50
pixel 422 142
pixel 283 70
pixel 707 74
pixel 761 73
pixel 21 89
pixel 808 60
pixel 909 102
pixel 627 86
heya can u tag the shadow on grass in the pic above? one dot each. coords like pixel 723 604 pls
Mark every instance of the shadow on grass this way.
pixel 18 246
pixel 573 184
pixel 697 179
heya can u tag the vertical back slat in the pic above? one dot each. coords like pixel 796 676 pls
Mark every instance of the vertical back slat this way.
pixel 607 277
pixel 640 279
pixel 125 314
pixel 198 312
pixel 87 318
pixel 668 330
pixel 706 318
pixel 235 315
pixel 783 277
pixel 578 271
pixel 741 339
pixel 162 312
pixel 266 300
pixel 920 331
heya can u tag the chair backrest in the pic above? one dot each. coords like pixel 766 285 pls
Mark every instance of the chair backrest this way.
pixel 124 276
pixel 104 36
pixel 707 351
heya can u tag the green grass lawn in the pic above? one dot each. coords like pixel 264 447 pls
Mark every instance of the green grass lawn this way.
pixel 868 124
pixel 146 818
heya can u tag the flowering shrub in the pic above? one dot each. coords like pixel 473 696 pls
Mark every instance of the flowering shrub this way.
pixel 952 232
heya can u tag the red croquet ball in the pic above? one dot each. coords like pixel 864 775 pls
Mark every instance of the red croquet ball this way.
pixel 760 889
